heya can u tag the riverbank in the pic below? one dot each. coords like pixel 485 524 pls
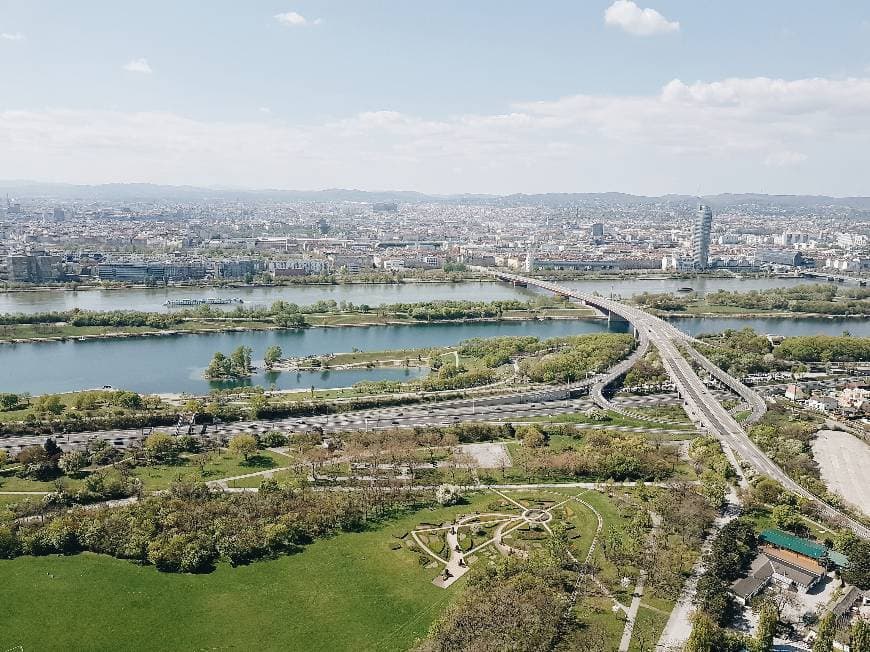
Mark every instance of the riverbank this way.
pixel 43 333
pixel 314 281
pixel 753 314
pixel 262 296
pixel 481 278
pixel 451 278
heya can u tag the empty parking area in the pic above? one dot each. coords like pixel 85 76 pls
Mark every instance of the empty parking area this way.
pixel 843 461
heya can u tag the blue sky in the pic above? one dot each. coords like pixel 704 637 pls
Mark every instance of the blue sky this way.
pixel 473 96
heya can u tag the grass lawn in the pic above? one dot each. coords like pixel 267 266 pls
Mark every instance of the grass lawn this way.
pixel 706 308
pixel 282 477
pixel 350 592
pixel 354 318
pixel 10 482
pixel 647 628
pixel 596 613
pixel 7 499
pixel 68 399
pixel 222 465
pixel 375 357
pixel 669 412
pixel 762 519
pixel 613 419
pixel 28 331
pixel 742 415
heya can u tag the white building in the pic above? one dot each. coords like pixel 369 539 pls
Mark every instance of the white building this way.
pixel 300 266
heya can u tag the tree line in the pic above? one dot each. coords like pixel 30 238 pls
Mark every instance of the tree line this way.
pixel 190 529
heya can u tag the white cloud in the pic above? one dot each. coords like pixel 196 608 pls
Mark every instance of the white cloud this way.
pixel 12 36
pixel 293 19
pixel 804 135
pixel 784 158
pixel 265 110
pixel 140 65
pixel 626 15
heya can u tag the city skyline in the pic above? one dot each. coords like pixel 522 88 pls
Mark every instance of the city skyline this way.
pixel 648 97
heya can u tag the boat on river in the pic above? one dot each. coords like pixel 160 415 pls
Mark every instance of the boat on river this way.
pixel 209 301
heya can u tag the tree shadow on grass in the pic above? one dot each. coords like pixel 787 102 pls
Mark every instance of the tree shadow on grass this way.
pixel 259 462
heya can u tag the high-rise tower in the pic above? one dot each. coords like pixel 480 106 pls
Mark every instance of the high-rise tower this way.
pixel 701 236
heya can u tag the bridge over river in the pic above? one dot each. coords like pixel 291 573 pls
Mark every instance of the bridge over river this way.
pixel 703 408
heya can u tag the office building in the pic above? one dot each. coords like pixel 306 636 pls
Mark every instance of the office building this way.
pixel 781 258
pixel 146 272
pixel 34 268
pixel 701 236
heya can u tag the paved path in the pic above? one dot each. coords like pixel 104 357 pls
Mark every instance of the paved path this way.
pixel 679 625
pixel 223 483
pixel 577 485
pixel 631 615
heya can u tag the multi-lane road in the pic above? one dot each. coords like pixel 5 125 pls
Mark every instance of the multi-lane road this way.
pixel 516 409
pixel 701 405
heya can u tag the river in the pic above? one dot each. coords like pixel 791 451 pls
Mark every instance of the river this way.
pixel 176 363
pixel 152 300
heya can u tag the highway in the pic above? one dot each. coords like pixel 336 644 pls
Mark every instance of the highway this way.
pixel 517 409
pixel 700 404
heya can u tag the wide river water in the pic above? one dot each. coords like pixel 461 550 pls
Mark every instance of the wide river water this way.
pixel 373 294
pixel 176 363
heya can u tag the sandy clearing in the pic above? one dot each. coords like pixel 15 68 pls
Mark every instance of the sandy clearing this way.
pixel 488 456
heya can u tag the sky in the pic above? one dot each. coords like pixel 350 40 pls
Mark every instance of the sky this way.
pixel 482 96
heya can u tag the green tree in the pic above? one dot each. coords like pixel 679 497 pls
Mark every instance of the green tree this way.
pixel 827 629
pixel 87 401
pixel 72 462
pixel 706 635
pixel 768 619
pixel 159 448
pixel 859 636
pixel 786 517
pixel 219 367
pixel 713 488
pixel 151 402
pixel 129 400
pixel 49 404
pixel 273 354
pixel 240 360
pixel 8 401
pixel 858 571
pixel 533 437
pixel 243 445
pixel 257 403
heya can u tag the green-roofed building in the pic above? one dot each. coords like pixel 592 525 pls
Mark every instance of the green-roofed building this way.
pixel 805 547
pixel 797 545
pixel 838 559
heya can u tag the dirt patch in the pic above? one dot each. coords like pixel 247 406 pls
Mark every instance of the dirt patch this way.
pixel 488 456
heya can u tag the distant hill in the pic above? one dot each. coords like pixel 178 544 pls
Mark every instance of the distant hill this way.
pixel 131 192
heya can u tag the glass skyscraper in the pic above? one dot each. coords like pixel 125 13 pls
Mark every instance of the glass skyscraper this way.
pixel 701 236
